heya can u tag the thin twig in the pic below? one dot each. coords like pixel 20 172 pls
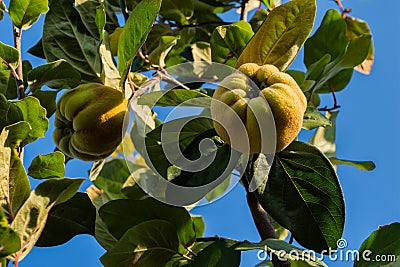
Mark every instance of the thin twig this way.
pixel 196 25
pixel 19 71
pixel 344 11
pixel 214 238
pixel 335 105
pixel 243 11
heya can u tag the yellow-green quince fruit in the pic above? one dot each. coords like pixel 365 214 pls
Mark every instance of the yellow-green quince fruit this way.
pixel 285 99
pixel 89 121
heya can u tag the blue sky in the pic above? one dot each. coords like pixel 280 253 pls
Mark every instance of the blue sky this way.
pixel 368 129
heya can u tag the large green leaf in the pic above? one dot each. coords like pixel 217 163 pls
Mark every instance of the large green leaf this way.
pixel 26 12
pixel 31 218
pixel 228 41
pixel 33 113
pixel 112 177
pixel 178 10
pixel 148 244
pixel 9 240
pixel 283 250
pixel 120 215
pixel 73 217
pixel 218 157
pixel 14 182
pixel 330 38
pixel 56 75
pixel 312 204
pixel 175 97
pixel 380 245
pixel 219 254
pixel 9 55
pixel 134 33
pixel 48 166
pixel 66 37
pixel 281 36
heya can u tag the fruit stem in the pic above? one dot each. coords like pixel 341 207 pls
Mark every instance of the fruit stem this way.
pixel 263 224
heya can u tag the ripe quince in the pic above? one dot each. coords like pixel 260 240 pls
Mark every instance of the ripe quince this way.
pixel 278 93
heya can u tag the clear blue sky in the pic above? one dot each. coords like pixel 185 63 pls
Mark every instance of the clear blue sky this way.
pixel 368 129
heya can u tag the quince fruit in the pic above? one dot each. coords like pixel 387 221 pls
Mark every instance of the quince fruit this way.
pixel 286 105
pixel 89 121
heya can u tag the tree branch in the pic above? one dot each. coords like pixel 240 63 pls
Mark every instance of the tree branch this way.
pixel 19 77
pixel 263 224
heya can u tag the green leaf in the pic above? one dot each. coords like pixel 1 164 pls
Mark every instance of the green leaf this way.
pixel 220 156
pixel 158 55
pixel 24 13
pixel 37 50
pixel 8 85
pixel 281 36
pixel 201 51
pixel 258 19
pixel 102 235
pixel 9 55
pixel 219 254
pixel 47 166
pixel 313 119
pixel 355 28
pixel 330 38
pixel 283 250
pixel 218 190
pixel 355 53
pixel 134 33
pixel 361 165
pixel 177 10
pixel 228 41
pixel 120 215
pixel 73 217
pixel 149 244
pixel 9 240
pixel 47 100
pixel 87 11
pixel 311 207
pixel 382 242
pixel 324 138
pixel 175 97
pixel 14 184
pixel 109 72
pixel 33 113
pixel 112 176
pixel 56 75
pixel 9 112
pixel 66 37
pixel 31 218
pixel 199 225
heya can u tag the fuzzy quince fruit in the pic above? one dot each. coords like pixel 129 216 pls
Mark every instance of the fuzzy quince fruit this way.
pixel 89 121
pixel 285 99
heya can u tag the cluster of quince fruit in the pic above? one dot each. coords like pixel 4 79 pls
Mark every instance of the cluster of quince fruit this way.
pixel 276 89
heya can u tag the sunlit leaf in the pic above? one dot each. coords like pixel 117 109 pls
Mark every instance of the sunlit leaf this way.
pixel 26 12
pixel 281 36
pixel 47 166
pixel 148 244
